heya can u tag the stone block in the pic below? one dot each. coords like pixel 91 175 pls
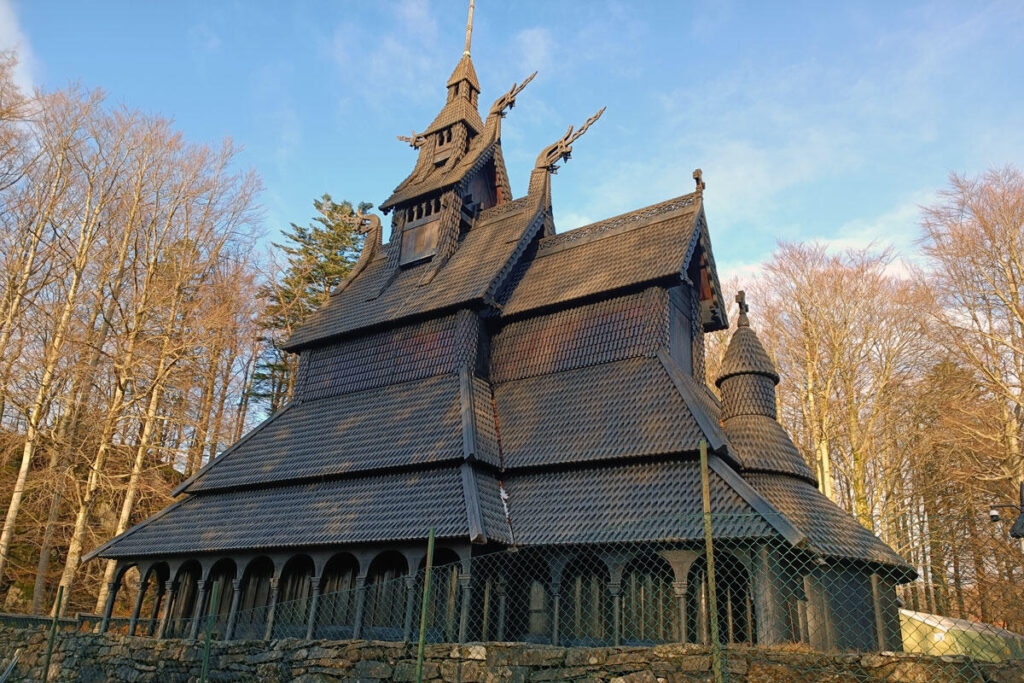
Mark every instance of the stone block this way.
pixel 637 677
pixel 585 656
pixel 372 669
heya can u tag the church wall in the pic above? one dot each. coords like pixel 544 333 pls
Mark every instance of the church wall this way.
pixel 407 353
pixel 614 329
pixel 842 610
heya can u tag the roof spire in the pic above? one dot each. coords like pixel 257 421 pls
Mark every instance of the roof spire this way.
pixel 741 299
pixel 469 29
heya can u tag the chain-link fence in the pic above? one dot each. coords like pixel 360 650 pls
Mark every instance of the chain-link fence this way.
pixel 745 591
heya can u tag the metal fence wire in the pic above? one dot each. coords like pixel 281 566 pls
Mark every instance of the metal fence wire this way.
pixel 755 594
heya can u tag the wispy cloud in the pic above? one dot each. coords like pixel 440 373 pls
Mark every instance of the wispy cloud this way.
pixel 13 38
pixel 398 64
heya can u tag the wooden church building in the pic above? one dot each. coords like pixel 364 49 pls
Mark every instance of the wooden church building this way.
pixel 510 385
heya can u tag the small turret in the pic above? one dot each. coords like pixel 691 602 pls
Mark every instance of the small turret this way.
pixel 747 382
pixel 747 378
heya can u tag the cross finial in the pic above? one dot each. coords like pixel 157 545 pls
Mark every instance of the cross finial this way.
pixel 469 29
pixel 741 301
pixel 698 176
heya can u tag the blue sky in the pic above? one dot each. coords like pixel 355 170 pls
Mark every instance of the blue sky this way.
pixel 830 121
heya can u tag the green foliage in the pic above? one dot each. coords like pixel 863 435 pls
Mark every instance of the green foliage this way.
pixel 318 257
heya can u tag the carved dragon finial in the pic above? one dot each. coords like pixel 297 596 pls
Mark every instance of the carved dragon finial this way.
pixel 416 140
pixel 698 177
pixel 741 301
pixel 508 100
pixel 561 150
pixel 366 224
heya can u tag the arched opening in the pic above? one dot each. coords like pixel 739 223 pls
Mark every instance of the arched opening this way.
pixel 732 592
pixel 445 601
pixel 649 614
pixel 126 592
pixel 184 603
pixel 254 605
pixel 152 599
pixel 336 615
pixel 291 616
pixel 219 582
pixel 384 614
pixel 585 607
pixel 488 611
pixel 528 615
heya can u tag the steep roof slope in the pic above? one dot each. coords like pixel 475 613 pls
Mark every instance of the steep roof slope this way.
pixel 484 256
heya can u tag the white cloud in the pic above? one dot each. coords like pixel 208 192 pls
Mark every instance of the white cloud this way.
pixel 12 38
pixel 572 220
pixel 732 272
pixel 402 61
pixel 897 228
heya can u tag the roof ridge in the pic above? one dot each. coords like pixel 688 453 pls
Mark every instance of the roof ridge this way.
pixel 616 225
pixel 786 528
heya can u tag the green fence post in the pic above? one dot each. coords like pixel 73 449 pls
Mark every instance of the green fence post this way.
pixel 209 629
pixel 53 634
pixel 716 646
pixel 423 610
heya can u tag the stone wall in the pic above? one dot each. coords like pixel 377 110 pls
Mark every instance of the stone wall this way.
pixel 91 657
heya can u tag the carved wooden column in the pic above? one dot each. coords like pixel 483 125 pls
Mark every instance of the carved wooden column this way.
pixel 273 608
pixel 465 585
pixel 555 600
pixel 410 607
pixel 314 607
pixel 157 602
pixel 170 588
pixel 108 609
pixel 357 626
pixel 502 607
pixel 615 588
pixel 137 608
pixel 236 596
pixel 197 611
pixel 679 590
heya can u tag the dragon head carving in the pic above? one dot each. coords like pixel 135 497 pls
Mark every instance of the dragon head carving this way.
pixel 508 100
pixel 561 149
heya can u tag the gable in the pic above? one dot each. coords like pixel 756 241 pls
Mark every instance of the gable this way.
pixel 645 246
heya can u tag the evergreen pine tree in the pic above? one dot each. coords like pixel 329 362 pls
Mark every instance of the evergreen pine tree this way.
pixel 318 257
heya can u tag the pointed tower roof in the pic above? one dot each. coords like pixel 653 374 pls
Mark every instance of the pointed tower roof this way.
pixel 463 89
pixel 745 354
pixel 450 147
pixel 464 70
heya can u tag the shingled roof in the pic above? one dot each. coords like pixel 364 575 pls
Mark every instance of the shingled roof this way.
pixel 342 511
pixel 831 531
pixel 485 254
pixel 406 424
pixel 626 503
pixel 746 355
pixel 647 245
pixel 629 408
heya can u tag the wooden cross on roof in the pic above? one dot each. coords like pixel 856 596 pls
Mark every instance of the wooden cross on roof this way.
pixel 741 301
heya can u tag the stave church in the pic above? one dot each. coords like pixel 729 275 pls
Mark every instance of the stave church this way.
pixel 515 388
